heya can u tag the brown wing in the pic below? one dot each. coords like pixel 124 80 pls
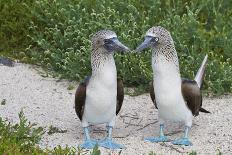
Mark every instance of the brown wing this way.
pixel 192 95
pixel 152 94
pixel 80 97
pixel 120 95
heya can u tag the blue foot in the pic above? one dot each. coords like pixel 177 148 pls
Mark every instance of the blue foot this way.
pixel 109 144
pixel 182 141
pixel 89 144
pixel 157 139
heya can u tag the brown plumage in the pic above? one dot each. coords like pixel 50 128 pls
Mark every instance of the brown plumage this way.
pixel 152 94
pixel 120 95
pixel 191 93
pixel 81 95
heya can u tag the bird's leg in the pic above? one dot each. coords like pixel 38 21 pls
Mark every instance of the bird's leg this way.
pixel 184 140
pixel 108 142
pixel 161 137
pixel 88 142
pixel 161 130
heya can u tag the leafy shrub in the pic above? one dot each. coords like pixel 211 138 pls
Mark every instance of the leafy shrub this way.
pixel 23 138
pixel 15 18
pixel 60 31
pixel 197 28
pixel 20 137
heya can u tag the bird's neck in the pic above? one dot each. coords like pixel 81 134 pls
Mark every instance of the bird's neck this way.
pixel 166 54
pixel 102 62
pixel 165 62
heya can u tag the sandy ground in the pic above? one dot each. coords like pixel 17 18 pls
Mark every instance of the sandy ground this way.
pixel 49 103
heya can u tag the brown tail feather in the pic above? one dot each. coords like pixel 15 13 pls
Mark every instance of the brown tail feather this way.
pixel 203 110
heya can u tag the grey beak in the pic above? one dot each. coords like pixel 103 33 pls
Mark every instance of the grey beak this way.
pixel 119 46
pixel 113 44
pixel 145 44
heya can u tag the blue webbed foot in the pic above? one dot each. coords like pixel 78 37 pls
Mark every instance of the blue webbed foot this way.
pixel 157 139
pixel 109 144
pixel 89 144
pixel 182 141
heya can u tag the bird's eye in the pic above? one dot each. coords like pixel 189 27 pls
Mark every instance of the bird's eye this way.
pixel 155 39
pixel 109 41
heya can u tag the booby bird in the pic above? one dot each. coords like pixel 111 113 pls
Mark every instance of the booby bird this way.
pixel 176 99
pixel 100 96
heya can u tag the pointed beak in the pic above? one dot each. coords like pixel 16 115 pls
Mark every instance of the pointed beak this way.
pixel 119 46
pixel 113 44
pixel 145 44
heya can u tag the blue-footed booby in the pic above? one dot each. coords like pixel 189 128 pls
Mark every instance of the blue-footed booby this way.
pixel 176 99
pixel 100 96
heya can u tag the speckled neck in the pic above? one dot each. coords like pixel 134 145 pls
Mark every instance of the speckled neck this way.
pixel 99 58
pixel 166 53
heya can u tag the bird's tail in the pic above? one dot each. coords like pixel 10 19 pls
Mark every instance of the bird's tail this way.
pixel 200 73
pixel 204 110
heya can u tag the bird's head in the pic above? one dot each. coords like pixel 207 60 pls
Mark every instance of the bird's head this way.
pixel 155 37
pixel 106 39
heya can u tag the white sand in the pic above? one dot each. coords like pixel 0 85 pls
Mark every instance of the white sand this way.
pixel 47 102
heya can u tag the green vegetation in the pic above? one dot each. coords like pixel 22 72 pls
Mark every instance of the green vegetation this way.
pixel 19 138
pixel 193 153
pixel 14 22
pixel 53 130
pixel 22 139
pixel 56 35
pixel 3 102
pixel 71 87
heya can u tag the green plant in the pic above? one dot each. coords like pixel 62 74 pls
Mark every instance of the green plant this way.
pixel 219 152
pixel 15 18
pixel 95 151
pixel 193 153
pixel 3 102
pixel 71 87
pixel 53 130
pixel 152 153
pixel 57 35
pixel 63 151
pixel 23 138
pixel 20 137
pixel 61 32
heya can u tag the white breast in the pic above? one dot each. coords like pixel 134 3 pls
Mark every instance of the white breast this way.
pixel 167 88
pixel 100 106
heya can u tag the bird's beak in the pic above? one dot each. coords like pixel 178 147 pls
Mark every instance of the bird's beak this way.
pixel 145 44
pixel 118 46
